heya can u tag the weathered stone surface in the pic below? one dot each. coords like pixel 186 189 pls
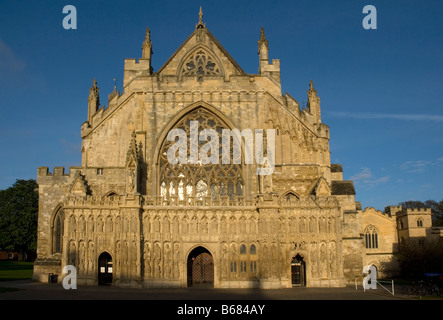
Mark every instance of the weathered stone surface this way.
pixel 254 227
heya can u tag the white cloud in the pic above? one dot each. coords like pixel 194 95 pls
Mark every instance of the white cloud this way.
pixel 420 166
pixel 365 176
pixel 381 180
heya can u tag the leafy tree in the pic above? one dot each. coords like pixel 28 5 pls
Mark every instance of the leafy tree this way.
pixel 416 259
pixel 18 217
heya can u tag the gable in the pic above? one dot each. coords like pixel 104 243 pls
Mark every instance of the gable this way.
pixel 201 50
pixel 79 186
pixel 375 216
pixel 320 188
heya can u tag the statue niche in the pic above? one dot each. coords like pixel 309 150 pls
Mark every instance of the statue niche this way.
pixel 132 167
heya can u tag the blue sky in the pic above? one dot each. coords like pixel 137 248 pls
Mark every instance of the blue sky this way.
pixel 381 90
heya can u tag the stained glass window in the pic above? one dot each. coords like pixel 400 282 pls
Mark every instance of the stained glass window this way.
pixel 201 180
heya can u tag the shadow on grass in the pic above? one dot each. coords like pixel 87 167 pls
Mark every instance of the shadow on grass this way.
pixel 15 270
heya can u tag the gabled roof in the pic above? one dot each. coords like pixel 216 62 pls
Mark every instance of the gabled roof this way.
pixel 183 53
pixel 342 188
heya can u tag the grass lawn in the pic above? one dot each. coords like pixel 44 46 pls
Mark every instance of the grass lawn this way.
pixel 14 270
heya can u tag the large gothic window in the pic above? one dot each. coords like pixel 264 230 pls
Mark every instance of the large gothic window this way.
pixel 371 238
pixel 196 180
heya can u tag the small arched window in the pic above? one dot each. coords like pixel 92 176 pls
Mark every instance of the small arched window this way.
pixel 242 249
pixel 419 222
pixel 371 238
pixel 252 249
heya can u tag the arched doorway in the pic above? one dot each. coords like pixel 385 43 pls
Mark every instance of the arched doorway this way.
pixel 105 269
pixel 298 271
pixel 200 268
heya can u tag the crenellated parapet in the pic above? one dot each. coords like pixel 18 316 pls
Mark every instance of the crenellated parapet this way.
pixel 134 69
pixel 418 211
pixel 393 210
pixel 44 176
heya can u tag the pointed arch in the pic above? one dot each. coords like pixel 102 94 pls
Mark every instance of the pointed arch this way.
pixel 201 61
pixel 57 229
pixel 183 112
pixel 289 195
pixel 371 237
pixel 194 180
pixel 111 193
pixel 200 266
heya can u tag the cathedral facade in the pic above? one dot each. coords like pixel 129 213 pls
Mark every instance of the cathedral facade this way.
pixel 128 216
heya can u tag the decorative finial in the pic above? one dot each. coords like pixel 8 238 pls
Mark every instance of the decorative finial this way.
pixel 115 84
pixel 263 40
pixel 262 34
pixel 200 23
pixel 311 88
pixel 93 99
pixel 148 35
pixel 147 45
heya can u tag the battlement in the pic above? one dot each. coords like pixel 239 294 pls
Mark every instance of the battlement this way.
pixel 393 210
pixel 175 201
pixel 307 202
pixel 76 200
pixel 374 210
pixel 58 174
pixel 418 210
pixel 133 64
pixel 134 68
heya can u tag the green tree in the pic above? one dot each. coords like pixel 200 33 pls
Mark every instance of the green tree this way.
pixel 437 213
pixel 416 259
pixel 18 217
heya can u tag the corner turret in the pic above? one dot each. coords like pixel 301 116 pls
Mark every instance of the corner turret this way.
pixel 273 69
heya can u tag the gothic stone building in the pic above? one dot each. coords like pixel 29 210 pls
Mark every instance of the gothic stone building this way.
pixel 386 231
pixel 130 217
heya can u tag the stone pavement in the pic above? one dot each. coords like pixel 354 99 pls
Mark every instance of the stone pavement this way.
pixel 188 303
pixel 29 290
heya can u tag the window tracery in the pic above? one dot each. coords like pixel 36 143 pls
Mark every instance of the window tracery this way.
pixel 371 237
pixel 187 181
pixel 200 64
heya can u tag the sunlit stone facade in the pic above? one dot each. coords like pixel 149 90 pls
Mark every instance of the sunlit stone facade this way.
pixel 129 217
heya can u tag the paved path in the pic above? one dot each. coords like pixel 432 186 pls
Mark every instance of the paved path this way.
pixel 29 290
